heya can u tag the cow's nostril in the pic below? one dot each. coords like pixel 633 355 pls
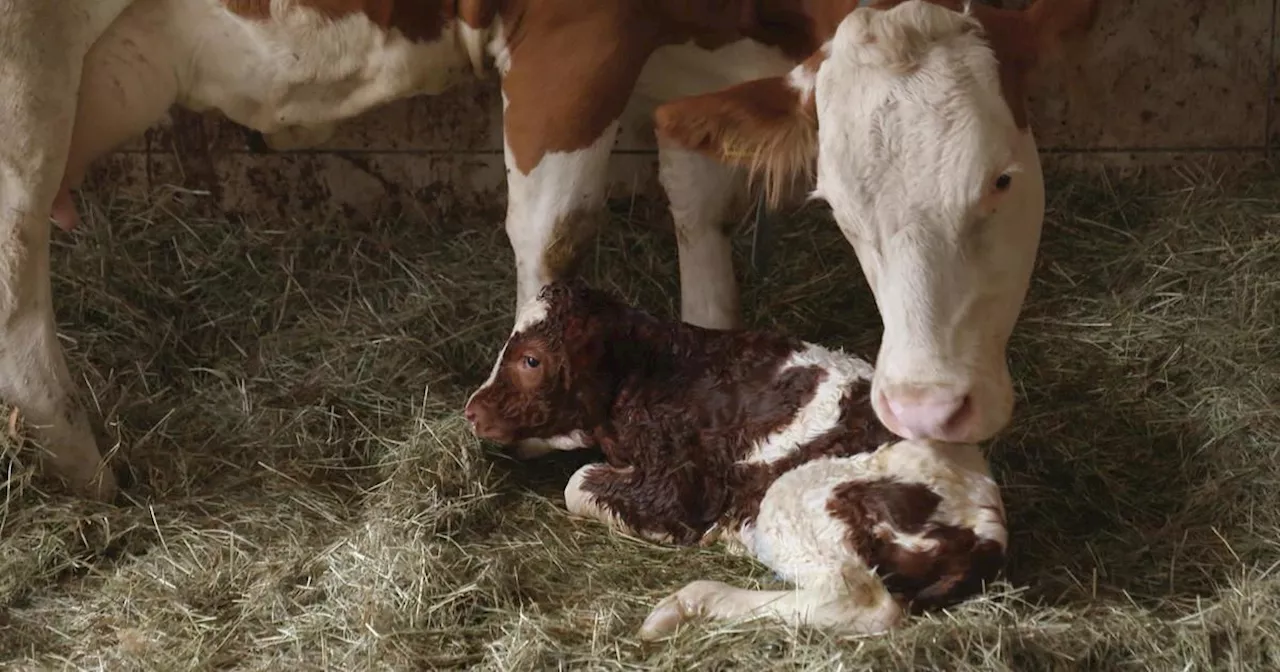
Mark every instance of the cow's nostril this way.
pixel 470 414
pixel 929 413
pixel 958 423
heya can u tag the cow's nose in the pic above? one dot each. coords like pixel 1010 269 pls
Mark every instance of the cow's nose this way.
pixel 470 414
pixel 937 413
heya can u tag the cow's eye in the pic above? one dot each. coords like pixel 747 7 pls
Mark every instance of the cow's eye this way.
pixel 531 361
pixel 1003 182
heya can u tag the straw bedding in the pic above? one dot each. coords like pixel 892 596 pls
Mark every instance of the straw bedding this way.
pixel 305 496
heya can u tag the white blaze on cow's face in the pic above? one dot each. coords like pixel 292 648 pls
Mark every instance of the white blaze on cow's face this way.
pixel 942 197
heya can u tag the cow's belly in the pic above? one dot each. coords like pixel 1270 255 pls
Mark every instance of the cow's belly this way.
pixel 686 70
pixel 303 71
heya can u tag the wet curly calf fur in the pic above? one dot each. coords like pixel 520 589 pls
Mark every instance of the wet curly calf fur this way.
pixel 753 438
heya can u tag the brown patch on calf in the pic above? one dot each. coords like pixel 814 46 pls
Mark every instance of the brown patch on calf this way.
pixel 674 445
pixel 956 568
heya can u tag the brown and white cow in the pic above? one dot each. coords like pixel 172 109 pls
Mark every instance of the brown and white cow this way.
pixel 750 437
pixel 912 117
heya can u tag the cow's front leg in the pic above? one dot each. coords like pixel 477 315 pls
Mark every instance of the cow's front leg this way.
pixel 554 211
pixel 560 119
pixel 701 192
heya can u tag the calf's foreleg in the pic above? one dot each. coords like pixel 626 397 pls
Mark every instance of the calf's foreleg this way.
pixel 601 492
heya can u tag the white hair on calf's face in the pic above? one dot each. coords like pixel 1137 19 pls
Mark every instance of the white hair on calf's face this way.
pixel 532 313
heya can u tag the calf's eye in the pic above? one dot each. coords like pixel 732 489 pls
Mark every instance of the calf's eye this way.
pixel 1003 182
pixel 531 361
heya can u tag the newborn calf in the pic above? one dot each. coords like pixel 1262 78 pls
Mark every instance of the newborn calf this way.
pixel 752 438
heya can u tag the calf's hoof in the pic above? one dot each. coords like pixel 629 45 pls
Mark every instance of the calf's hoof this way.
pixel 680 607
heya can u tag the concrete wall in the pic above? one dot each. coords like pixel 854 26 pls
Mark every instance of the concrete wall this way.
pixel 1156 81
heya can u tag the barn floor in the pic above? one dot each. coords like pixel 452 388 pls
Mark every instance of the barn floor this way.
pixel 306 496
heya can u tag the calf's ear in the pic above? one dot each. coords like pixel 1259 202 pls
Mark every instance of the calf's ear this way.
pixel 767 126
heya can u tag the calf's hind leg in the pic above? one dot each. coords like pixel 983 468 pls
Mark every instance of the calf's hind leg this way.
pixel 796 536
pixel 853 603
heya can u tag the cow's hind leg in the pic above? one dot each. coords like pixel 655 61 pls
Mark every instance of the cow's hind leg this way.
pixel 64 104
pixel 33 371
pixel 41 56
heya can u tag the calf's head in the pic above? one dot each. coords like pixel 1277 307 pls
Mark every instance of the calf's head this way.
pixel 913 118
pixel 549 387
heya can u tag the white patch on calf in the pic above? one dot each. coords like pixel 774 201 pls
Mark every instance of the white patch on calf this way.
pixel 822 413
pixel 535 447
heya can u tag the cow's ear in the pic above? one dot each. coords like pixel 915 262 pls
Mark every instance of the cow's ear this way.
pixel 767 126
